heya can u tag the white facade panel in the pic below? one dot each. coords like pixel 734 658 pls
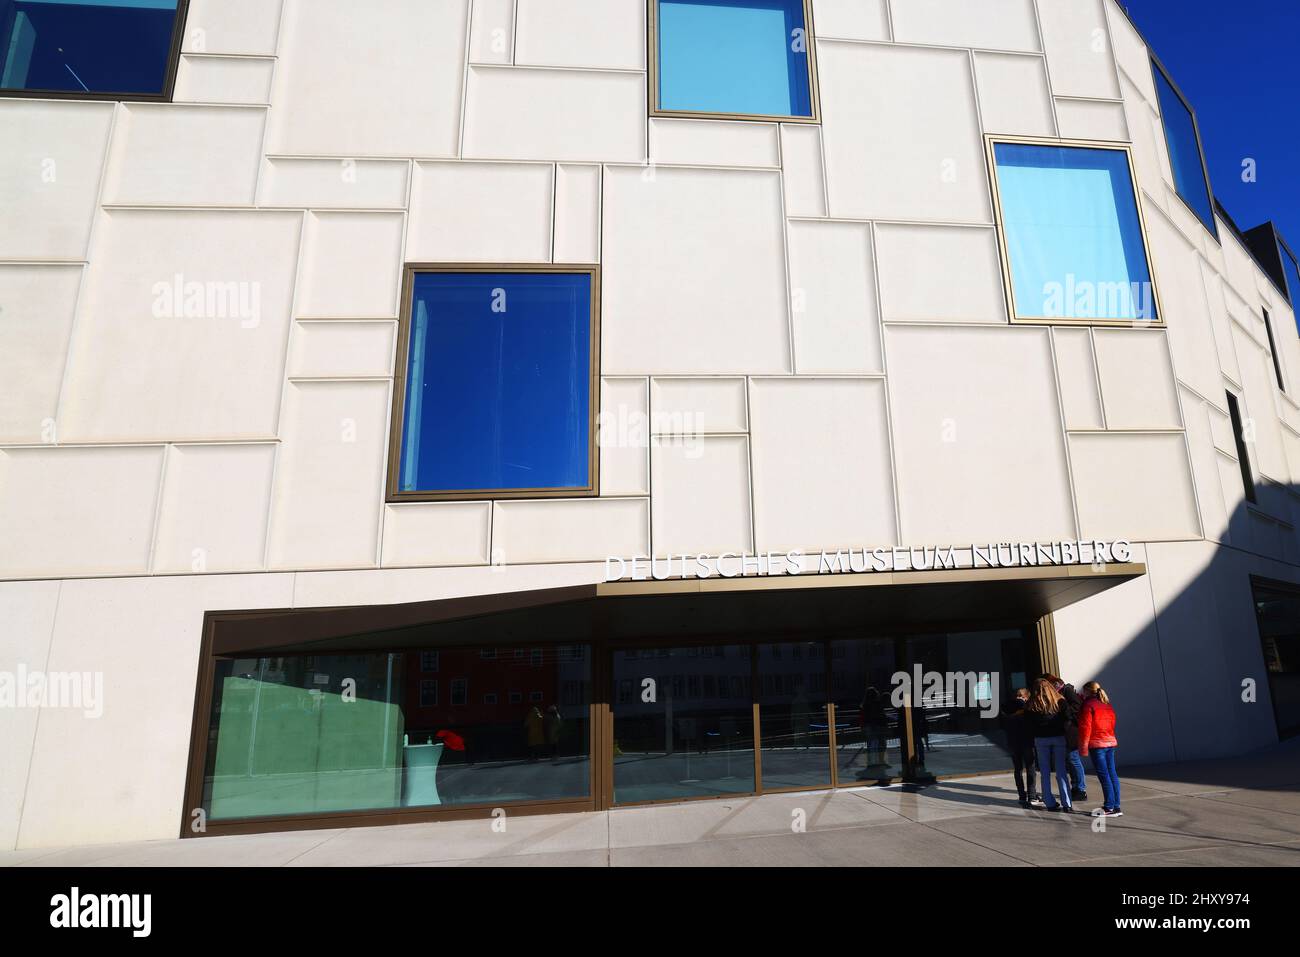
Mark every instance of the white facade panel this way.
pixel 400 93
pixel 694 272
pixel 980 454
pixel 822 466
pixel 914 157
pixel 182 326
pixel 833 298
pixel 50 170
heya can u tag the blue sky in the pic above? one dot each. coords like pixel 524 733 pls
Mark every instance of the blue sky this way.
pixel 1236 60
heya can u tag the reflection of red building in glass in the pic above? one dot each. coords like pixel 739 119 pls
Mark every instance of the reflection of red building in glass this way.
pixel 461 690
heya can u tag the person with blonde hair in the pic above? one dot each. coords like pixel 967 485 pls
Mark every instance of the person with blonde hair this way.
pixel 1046 712
pixel 1097 736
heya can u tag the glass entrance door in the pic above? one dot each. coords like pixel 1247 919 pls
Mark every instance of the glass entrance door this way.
pixel 965 679
pixel 683 723
pixel 709 721
pixel 868 725
pixel 794 725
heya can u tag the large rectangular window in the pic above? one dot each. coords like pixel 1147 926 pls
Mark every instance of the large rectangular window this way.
pixel 732 57
pixel 315 734
pixel 498 384
pixel 106 48
pixel 1277 609
pixel 1186 156
pixel 1072 234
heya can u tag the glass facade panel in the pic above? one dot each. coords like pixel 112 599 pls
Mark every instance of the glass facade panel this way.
pixel 315 734
pixel 683 723
pixel 965 679
pixel 734 56
pixel 868 725
pixel 793 723
pixel 1073 233
pixel 1278 612
pixel 1185 151
pixel 86 46
pixel 498 389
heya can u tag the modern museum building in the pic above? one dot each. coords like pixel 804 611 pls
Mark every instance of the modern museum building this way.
pixel 437 408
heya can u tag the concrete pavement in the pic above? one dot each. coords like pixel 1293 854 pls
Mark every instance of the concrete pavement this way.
pixel 1239 811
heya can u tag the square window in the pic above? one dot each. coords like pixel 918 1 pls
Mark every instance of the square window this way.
pixel 1072 234
pixel 125 48
pixel 428 694
pixel 498 390
pixel 1186 157
pixel 428 661
pixel 732 57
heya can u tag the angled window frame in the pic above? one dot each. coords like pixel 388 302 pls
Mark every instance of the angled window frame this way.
pixel 169 77
pixel 991 140
pixel 1273 353
pixel 1285 252
pixel 395 495
pixel 652 77
pixel 1158 71
pixel 1243 450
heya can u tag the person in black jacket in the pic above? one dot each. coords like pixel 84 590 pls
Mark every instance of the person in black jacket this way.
pixel 1020 742
pixel 1046 712
pixel 1073 762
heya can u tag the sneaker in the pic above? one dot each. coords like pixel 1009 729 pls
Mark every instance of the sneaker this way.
pixel 1079 795
pixel 1100 811
pixel 1114 812
pixel 1036 802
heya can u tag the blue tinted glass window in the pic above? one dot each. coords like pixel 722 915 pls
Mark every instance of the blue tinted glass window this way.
pixel 1292 270
pixel 733 56
pixel 1074 238
pixel 1185 151
pixel 498 383
pixel 86 46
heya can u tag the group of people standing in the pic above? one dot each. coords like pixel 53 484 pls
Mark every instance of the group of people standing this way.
pixel 1051 729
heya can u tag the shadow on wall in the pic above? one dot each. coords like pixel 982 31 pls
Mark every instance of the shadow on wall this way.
pixel 1208 677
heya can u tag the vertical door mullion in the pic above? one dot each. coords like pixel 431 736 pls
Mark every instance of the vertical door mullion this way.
pixel 830 716
pixel 906 739
pixel 757 717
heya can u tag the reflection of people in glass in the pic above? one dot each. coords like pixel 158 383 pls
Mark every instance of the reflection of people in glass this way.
pixel 535 731
pixel 553 724
pixel 875 727
pixel 800 719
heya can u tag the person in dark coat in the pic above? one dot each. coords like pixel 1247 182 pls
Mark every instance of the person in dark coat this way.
pixel 1020 742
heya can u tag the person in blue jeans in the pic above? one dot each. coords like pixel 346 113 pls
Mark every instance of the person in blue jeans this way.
pixel 1097 737
pixel 1074 762
pixel 1046 713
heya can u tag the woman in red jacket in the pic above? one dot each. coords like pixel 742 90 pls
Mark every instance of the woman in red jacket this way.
pixel 1097 735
